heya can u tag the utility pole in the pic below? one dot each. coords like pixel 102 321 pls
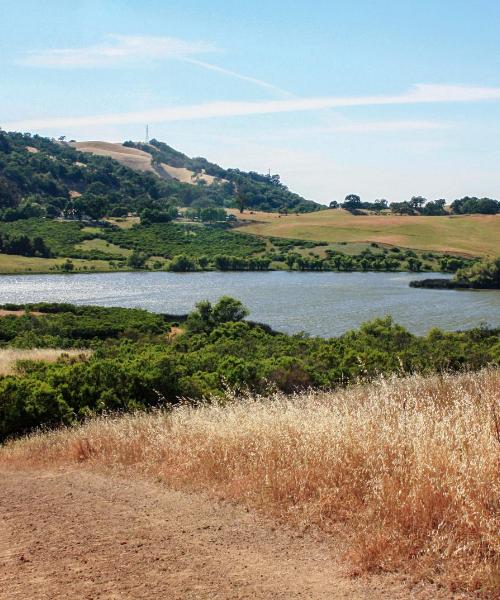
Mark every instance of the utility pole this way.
pixel 147 134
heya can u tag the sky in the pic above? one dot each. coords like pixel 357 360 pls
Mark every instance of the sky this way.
pixel 382 98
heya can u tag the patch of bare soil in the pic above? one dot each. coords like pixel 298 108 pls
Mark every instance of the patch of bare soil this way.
pixel 79 534
pixel 130 157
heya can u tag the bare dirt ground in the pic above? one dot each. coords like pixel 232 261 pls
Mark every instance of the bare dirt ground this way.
pixel 78 534
pixel 130 157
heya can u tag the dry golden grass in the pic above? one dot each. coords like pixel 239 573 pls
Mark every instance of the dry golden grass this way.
pixel 407 470
pixel 475 235
pixel 135 159
pixel 10 356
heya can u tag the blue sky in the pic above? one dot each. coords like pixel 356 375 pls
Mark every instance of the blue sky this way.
pixel 384 98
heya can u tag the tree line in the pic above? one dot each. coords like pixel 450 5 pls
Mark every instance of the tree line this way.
pixel 418 205
pixel 24 246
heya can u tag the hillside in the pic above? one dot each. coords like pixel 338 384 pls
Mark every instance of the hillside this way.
pixel 225 187
pixel 473 235
pixel 73 200
pixel 44 177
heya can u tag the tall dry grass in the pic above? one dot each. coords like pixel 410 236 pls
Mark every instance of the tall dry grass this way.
pixel 9 357
pixel 407 470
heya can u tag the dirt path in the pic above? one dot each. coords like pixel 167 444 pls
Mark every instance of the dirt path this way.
pixel 81 535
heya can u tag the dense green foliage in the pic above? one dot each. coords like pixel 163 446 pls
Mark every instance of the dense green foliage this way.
pixel 59 237
pixel 233 188
pixel 197 246
pixel 67 325
pixel 170 239
pixel 468 205
pixel 481 275
pixel 136 364
pixel 39 177
pixel 38 174
pixel 23 245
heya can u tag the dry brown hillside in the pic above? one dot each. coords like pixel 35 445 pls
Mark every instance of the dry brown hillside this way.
pixel 138 160
pixel 130 157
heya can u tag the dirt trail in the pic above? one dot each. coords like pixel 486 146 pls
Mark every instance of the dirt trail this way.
pixel 78 534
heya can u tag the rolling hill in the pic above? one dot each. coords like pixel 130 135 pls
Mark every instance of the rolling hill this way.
pixel 98 178
pixel 473 235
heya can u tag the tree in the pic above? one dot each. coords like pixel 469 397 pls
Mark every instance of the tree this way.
pixel 68 266
pixel 434 208
pixel 414 264
pixel 206 317
pixel 352 202
pixel 481 275
pixel 402 208
pixel 155 215
pixel 334 204
pixel 380 204
pixel 241 200
pixel 212 214
pixel 182 263
pixel 229 310
pixel 137 260
pixel 471 205
pixel 417 202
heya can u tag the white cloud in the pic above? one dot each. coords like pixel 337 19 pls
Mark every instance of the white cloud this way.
pixel 120 50
pixel 351 126
pixel 418 94
pixel 128 50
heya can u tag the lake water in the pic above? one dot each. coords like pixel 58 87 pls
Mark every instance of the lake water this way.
pixel 323 304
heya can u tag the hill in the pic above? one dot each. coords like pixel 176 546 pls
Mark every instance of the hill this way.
pixel 45 177
pixel 474 235
pixel 226 187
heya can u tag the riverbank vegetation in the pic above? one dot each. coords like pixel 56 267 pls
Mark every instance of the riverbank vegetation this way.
pixel 193 246
pixel 403 471
pixel 480 276
pixel 141 359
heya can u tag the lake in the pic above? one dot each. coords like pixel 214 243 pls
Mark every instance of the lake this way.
pixel 323 304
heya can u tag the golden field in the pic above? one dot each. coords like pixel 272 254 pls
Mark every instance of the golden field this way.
pixel 474 235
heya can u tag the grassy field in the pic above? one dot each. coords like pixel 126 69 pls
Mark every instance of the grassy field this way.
pixel 404 469
pixel 474 235
pixel 11 264
pixel 124 222
pixel 103 246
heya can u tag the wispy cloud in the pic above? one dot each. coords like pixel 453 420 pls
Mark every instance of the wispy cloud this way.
pixel 361 126
pixel 128 50
pixel 387 126
pixel 418 94
pixel 117 51
pixel 224 71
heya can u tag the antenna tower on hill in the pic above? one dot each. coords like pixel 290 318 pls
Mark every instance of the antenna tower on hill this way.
pixel 147 134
